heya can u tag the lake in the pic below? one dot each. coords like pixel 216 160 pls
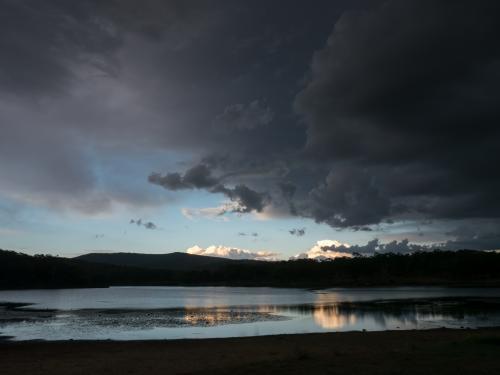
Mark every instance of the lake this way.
pixel 137 313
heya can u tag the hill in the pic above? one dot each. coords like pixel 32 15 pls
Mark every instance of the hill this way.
pixel 171 261
pixel 19 271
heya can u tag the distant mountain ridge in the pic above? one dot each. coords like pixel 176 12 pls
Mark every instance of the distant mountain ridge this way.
pixel 176 261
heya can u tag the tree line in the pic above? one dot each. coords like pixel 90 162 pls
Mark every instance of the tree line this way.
pixel 463 267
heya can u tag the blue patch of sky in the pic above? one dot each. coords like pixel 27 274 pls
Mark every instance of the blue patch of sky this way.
pixel 37 229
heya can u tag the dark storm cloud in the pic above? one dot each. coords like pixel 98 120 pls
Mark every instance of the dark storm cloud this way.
pixel 288 189
pixel 243 117
pixel 41 44
pixel 43 41
pixel 403 98
pixel 487 241
pixel 82 73
pixel 478 235
pixel 248 200
pixel 348 198
pixel 57 60
pixel 170 181
pixel 387 82
pixel 382 99
pixel 197 177
pixel 200 177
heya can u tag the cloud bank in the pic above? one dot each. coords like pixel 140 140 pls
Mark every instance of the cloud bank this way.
pixel 331 249
pixel 325 250
pixel 232 253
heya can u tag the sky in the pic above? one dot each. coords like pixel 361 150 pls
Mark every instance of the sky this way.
pixel 249 129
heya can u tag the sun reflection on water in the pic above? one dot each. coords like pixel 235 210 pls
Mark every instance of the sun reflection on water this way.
pixel 330 317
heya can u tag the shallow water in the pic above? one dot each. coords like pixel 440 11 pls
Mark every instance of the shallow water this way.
pixel 128 313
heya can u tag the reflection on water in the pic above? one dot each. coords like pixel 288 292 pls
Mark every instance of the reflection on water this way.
pixel 223 312
pixel 410 313
pixel 330 317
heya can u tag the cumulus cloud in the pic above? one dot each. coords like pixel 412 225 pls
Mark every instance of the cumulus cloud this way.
pixel 373 247
pixel 232 253
pixel 325 250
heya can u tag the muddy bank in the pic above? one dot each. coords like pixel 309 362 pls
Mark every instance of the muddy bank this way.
pixel 392 352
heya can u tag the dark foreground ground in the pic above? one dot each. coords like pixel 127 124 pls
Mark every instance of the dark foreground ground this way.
pixel 396 352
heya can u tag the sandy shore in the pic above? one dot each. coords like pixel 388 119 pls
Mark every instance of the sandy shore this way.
pixel 395 352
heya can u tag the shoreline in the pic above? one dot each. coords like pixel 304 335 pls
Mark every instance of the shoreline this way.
pixel 440 351
pixel 451 285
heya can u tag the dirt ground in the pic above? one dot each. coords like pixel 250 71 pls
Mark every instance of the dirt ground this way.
pixel 396 352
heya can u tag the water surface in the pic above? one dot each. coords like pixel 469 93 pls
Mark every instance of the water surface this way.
pixel 128 313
